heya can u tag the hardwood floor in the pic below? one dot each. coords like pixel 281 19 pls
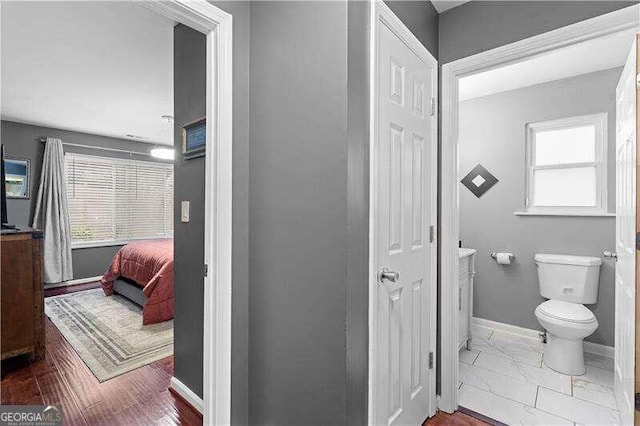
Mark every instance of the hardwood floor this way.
pixel 56 291
pixel 456 419
pixel 139 397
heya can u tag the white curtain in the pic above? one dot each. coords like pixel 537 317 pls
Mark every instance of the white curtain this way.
pixel 52 215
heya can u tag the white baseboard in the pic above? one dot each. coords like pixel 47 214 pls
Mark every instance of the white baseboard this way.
pixel 73 282
pixel 181 389
pixel 592 348
pixel 598 349
pixel 507 328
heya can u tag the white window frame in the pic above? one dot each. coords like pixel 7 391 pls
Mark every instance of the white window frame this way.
pixel 599 121
pixel 114 242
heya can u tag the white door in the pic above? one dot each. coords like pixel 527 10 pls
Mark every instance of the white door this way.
pixel 625 238
pixel 405 202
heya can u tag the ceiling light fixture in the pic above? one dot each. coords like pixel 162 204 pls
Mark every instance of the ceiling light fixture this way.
pixel 163 153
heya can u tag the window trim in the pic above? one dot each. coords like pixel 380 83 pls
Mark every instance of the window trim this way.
pixel 77 245
pixel 601 142
pixel 111 243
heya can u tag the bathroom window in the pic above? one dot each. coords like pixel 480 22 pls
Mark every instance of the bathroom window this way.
pixel 567 166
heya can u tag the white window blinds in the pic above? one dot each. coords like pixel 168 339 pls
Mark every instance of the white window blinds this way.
pixel 114 200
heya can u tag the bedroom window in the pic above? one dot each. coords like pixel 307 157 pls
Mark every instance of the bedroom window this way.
pixel 567 166
pixel 114 200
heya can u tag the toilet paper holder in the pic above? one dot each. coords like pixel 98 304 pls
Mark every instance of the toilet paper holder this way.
pixel 494 256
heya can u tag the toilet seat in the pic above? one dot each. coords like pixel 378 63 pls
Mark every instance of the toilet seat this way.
pixel 566 311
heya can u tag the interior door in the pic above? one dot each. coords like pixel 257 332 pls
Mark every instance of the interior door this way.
pixel 625 293
pixel 405 257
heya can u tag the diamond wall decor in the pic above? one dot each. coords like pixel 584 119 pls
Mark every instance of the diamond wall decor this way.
pixel 479 180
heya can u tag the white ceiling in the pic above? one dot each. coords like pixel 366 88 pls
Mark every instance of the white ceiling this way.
pixel 583 58
pixel 442 5
pixel 104 68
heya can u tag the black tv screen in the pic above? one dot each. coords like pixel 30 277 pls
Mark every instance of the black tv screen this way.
pixel 3 188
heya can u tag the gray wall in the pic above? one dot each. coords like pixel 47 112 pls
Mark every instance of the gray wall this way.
pixel 421 18
pixel 492 132
pixel 357 287
pixel 189 83
pixel 298 195
pixel 482 25
pixel 23 141
pixel 309 207
pixel 189 104
pixel 298 215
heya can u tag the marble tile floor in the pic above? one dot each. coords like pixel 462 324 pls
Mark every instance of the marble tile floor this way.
pixel 502 376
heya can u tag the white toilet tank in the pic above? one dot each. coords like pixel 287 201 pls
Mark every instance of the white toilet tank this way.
pixel 572 279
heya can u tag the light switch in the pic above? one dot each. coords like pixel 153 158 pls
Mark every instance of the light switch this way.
pixel 184 215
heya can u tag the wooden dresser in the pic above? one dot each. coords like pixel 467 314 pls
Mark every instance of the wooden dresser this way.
pixel 21 294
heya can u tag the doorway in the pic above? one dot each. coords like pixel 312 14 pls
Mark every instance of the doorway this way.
pixel 218 27
pixel 157 180
pixel 611 25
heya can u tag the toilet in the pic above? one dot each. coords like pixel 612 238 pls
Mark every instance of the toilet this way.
pixel 568 282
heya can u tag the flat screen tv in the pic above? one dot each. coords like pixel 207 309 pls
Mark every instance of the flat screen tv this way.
pixel 3 191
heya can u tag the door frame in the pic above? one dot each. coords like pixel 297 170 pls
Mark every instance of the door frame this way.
pixel 381 14
pixel 452 72
pixel 636 413
pixel 217 25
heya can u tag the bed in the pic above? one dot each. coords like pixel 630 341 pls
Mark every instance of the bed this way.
pixel 143 272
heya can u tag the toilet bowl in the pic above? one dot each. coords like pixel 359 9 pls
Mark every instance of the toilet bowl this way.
pixel 567 324
pixel 568 282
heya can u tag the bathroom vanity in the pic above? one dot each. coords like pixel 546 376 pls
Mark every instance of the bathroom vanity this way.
pixel 466 258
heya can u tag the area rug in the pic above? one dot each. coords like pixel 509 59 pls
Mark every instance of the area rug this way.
pixel 107 332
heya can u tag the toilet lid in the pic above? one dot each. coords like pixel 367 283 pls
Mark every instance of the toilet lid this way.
pixel 566 311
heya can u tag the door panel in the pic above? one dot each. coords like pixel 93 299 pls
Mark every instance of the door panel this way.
pixel 404 201
pixel 625 239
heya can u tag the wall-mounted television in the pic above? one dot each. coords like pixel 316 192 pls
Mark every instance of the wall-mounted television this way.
pixel 17 177
pixel 3 192
pixel 3 187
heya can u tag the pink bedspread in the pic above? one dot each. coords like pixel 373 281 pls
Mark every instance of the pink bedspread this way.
pixel 150 264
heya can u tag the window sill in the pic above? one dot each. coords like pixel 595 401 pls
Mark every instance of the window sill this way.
pixel 565 214
pixel 76 246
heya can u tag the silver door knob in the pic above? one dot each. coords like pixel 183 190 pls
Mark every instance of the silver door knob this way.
pixel 610 255
pixel 387 275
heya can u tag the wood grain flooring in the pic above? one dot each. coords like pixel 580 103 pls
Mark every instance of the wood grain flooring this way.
pixel 139 397
pixel 456 419
pixel 57 291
